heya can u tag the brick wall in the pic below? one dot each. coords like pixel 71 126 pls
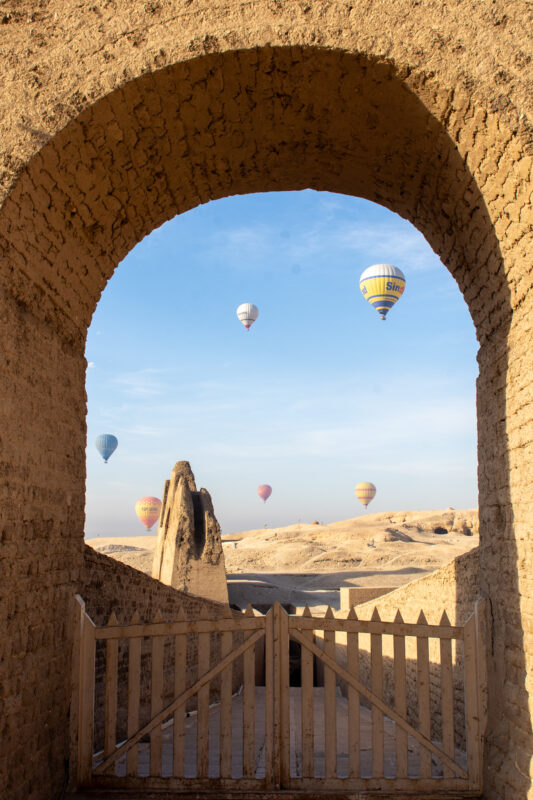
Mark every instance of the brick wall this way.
pixel 453 589
pixel 117 116
pixel 356 595
pixel 109 586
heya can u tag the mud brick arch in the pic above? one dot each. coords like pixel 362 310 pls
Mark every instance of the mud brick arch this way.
pixel 115 117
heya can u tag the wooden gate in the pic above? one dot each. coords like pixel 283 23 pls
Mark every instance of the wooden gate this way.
pixel 281 703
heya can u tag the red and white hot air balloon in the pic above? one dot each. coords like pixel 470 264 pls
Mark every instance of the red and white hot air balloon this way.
pixel 247 313
pixel 264 491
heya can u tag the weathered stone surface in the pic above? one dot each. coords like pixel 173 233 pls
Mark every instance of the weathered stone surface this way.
pixel 356 595
pixel 188 554
pixel 117 115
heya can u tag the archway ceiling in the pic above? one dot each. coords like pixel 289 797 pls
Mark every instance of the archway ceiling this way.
pixel 60 57
pixel 287 118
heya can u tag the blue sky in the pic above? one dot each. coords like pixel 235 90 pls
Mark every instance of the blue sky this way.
pixel 317 396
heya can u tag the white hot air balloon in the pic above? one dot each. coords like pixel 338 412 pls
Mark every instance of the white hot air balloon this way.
pixel 247 313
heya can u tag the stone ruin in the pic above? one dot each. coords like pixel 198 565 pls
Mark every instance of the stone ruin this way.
pixel 111 128
pixel 188 554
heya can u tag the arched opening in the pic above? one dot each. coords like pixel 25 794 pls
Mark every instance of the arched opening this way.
pixel 262 120
pixel 319 394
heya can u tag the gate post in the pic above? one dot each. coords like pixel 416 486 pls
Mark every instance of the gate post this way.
pixel 284 700
pixel 473 743
pixel 76 621
pixel 276 773
pixel 86 699
pixel 270 692
pixel 282 738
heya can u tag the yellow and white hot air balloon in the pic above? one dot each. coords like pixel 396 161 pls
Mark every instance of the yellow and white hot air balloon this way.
pixel 365 492
pixel 382 285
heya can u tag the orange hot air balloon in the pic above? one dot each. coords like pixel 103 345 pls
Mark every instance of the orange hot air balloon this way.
pixel 148 510
pixel 365 492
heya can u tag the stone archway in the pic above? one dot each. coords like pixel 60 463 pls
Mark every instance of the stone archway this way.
pixel 259 118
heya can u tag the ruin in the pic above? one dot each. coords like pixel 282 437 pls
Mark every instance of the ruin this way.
pixel 118 116
pixel 188 553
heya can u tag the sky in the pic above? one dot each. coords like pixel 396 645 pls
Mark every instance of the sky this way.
pixel 320 393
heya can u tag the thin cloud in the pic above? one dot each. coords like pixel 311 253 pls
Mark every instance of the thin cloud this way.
pixel 143 383
pixel 143 430
pixel 249 247
pixel 443 426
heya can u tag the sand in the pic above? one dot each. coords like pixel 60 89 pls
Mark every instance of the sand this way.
pixel 308 563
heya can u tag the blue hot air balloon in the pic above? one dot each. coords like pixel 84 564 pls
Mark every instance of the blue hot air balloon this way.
pixel 106 444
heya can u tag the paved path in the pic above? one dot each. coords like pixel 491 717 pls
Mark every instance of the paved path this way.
pixel 295 717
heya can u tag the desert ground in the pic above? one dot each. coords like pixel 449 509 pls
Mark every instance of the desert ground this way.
pixel 309 563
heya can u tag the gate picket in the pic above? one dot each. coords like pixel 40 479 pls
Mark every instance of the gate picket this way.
pixel 424 716
pixel 376 660
pixel 400 701
pixel 447 696
pixel 330 703
pixel 158 648
pixel 202 719
pixel 134 696
pixel 178 731
pixel 269 700
pixel 111 692
pixel 354 702
pixel 284 696
pixel 225 732
pixel 307 702
pixel 248 709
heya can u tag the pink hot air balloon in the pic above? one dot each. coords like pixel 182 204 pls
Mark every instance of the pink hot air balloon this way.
pixel 264 491
pixel 148 510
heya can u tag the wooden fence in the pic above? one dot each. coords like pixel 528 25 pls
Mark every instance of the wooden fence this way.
pixel 291 725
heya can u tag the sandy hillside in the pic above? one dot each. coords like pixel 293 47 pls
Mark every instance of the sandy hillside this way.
pixel 309 563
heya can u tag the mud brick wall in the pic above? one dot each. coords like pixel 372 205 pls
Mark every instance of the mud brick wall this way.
pixel 110 586
pixel 455 589
pixel 116 116
pixel 356 595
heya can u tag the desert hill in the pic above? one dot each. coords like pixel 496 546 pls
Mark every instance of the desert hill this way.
pixel 310 562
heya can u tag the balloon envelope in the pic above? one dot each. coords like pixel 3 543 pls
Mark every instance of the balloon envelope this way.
pixel 382 285
pixel 264 491
pixel 106 444
pixel 148 510
pixel 365 492
pixel 247 313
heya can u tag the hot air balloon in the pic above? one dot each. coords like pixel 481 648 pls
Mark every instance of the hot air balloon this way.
pixel 148 509
pixel 106 444
pixel 264 491
pixel 365 492
pixel 247 314
pixel 382 285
